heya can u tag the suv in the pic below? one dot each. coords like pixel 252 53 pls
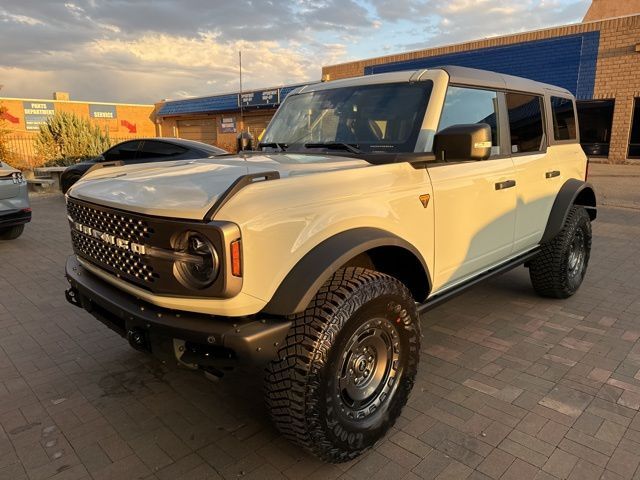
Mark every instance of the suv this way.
pixel 372 200
pixel 15 211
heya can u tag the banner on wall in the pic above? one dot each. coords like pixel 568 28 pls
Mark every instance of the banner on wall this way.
pixel 262 97
pixel 102 111
pixel 228 125
pixel 36 114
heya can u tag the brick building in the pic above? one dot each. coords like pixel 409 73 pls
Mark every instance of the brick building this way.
pixel 218 119
pixel 598 60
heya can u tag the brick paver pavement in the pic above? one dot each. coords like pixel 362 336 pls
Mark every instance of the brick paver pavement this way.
pixel 510 385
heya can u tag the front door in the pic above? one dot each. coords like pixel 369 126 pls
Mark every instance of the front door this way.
pixel 474 201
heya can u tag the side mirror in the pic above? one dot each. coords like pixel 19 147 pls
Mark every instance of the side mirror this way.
pixel 463 142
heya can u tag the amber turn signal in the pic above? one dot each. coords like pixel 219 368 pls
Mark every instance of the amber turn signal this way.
pixel 236 258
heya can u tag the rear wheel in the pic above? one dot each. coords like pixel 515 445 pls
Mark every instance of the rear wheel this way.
pixel 559 269
pixel 11 233
pixel 347 365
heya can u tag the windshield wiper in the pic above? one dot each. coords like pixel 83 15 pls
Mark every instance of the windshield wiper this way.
pixel 279 145
pixel 350 147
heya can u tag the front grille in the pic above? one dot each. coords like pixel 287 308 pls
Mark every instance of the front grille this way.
pixel 141 249
pixel 121 261
pixel 119 224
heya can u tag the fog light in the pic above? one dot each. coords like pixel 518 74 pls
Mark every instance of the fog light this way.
pixel 201 270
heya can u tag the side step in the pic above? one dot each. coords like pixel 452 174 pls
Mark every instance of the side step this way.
pixel 439 298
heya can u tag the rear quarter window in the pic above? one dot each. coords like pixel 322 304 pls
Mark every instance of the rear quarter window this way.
pixel 564 119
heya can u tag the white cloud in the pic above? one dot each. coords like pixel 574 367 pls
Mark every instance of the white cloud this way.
pixel 142 51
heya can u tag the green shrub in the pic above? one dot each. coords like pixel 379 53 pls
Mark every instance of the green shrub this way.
pixel 66 139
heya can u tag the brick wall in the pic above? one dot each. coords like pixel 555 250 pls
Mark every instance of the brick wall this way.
pixel 618 76
pixel 570 64
pixel 131 120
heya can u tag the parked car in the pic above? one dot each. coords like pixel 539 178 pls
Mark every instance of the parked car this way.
pixel 374 199
pixel 15 211
pixel 142 150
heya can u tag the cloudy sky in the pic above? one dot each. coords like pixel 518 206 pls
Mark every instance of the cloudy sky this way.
pixel 143 51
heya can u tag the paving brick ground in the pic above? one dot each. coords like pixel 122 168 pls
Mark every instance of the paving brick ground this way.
pixel 511 386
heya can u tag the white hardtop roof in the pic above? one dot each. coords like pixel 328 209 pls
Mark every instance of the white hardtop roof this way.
pixel 457 75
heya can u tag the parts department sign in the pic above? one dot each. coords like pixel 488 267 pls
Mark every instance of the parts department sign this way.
pixel 36 114
pixel 103 111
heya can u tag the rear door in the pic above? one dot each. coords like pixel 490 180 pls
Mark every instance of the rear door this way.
pixel 474 201
pixel 538 171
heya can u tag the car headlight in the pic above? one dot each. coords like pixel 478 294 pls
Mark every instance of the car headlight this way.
pixel 200 265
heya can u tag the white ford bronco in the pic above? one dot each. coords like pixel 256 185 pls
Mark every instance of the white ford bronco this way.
pixel 370 201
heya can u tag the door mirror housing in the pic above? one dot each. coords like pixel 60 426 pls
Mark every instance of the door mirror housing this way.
pixel 463 142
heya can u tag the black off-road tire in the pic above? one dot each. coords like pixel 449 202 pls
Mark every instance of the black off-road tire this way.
pixel 554 272
pixel 305 386
pixel 11 233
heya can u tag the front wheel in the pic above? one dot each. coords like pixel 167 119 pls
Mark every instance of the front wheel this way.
pixel 347 366
pixel 11 233
pixel 558 270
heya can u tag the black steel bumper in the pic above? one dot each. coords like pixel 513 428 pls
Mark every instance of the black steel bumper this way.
pixel 14 218
pixel 204 339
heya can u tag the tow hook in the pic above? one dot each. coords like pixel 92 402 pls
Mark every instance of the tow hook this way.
pixel 138 339
pixel 72 297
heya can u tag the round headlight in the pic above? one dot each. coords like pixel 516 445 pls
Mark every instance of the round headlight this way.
pixel 201 268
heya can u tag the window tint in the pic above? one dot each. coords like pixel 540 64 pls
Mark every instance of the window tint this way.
pixel 470 105
pixel 154 149
pixel 564 119
pixel 123 151
pixel 525 122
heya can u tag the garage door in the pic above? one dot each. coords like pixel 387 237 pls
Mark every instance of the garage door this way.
pixel 200 129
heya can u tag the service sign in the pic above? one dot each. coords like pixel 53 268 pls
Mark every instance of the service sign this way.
pixel 36 114
pixel 263 97
pixel 228 125
pixel 102 111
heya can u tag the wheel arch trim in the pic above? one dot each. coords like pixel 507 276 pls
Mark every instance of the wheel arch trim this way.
pixel 572 192
pixel 305 279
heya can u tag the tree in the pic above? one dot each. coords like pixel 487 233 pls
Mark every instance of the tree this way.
pixel 4 132
pixel 67 138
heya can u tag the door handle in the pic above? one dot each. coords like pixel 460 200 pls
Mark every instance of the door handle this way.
pixel 553 173
pixel 505 184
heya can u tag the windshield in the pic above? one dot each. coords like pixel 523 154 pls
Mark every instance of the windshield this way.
pixel 369 118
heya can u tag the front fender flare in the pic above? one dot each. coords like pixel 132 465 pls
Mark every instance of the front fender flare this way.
pixel 572 192
pixel 305 279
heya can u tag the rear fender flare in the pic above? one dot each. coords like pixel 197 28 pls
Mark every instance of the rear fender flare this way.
pixel 573 192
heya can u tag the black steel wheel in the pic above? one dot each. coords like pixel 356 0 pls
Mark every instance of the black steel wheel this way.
pixel 559 269
pixel 347 366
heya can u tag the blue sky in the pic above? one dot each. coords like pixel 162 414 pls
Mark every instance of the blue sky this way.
pixel 143 51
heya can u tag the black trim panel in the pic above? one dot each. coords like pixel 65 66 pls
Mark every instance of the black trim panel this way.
pixel 14 218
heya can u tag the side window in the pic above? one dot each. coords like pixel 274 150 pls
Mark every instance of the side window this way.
pixel 564 118
pixel 470 105
pixel 123 151
pixel 525 122
pixel 155 149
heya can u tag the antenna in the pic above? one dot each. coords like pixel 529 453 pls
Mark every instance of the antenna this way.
pixel 240 98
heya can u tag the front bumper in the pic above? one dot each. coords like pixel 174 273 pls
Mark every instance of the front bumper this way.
pixel 194 339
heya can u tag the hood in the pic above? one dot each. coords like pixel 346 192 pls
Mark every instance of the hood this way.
pixel 189 188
